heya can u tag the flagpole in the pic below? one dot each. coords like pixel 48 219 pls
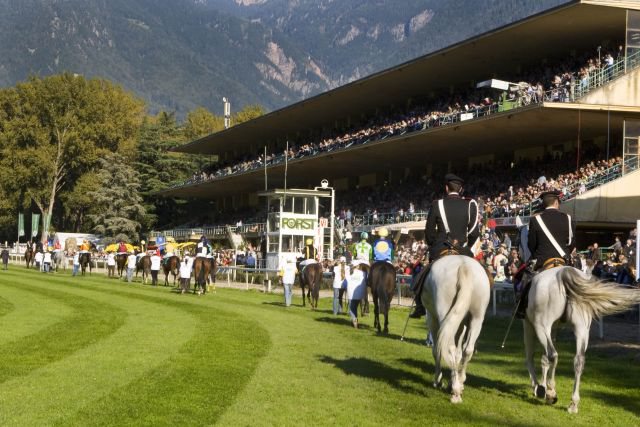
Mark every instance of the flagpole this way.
pixel 286 165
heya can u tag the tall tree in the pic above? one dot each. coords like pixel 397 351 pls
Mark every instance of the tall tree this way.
pixel 201 122
pixel 117 204
pixel 54 129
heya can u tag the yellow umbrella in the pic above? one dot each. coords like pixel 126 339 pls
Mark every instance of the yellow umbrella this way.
pixel 114 247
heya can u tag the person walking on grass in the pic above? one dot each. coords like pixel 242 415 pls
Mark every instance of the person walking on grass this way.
pixel 5 258
pixel 185 274
pixel 76 263
pixel 111 264
pixel 46 261
pixel 132 260
pixel 155 268
pixel 340 275
pixel 288 273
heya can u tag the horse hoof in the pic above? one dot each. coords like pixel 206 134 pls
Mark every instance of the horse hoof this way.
pixel 437 384
pixel 539 391
pixel 551 400
pixel 573 408
pixel 456 399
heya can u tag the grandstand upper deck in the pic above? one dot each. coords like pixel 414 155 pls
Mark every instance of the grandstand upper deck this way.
pixel 573 27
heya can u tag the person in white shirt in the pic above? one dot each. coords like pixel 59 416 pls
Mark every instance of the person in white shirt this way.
pixel 76 263
pixel 356 291
pixel 340 276
pixel 185 273
pixel 111 264
pixel 288 277
pixel 132 260
pixel 155 268
pixel 38 259
pixel 46 261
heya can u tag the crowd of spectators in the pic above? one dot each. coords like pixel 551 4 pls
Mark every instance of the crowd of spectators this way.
pixel 560 82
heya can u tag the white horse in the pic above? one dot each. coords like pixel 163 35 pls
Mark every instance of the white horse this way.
pixel 567 294
pixel 456 295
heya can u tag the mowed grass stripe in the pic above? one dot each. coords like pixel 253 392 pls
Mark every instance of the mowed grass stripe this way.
pixel 6 307
pixel 82 323
pixel 320 371
pixel 150 334
pixel 29 311
pixel 193 387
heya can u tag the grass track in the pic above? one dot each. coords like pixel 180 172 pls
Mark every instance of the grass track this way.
pixel 243 359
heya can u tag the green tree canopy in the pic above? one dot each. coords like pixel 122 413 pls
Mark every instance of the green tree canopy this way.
pixel 54 129
pixel 117 204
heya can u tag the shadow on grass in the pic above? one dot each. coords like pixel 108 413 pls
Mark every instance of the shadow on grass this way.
pixel 399 379
pixel 629 403
pixel 474 381
pixel 343 321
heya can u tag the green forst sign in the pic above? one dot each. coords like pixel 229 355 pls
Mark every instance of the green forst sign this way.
pixel 298 223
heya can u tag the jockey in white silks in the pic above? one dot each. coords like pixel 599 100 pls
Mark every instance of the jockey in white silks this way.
pixel 203 250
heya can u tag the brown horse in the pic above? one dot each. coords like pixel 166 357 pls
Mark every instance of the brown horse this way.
pixel 170 265
pixel 29 256
pixel 121 262
pixel 213 268
pixel 201 270
pixel 310 278
pixel 144 264
pixel 85 260
pixel 382 281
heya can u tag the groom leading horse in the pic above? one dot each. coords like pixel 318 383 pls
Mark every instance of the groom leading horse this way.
pixel 452 226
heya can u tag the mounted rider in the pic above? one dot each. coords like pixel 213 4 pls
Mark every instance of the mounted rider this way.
pixel 203 249
pixel 309 253
pixel 452 228
pixel 550 240
pixel 85 247
pixel 363 251
pixel 383 248
pixel 122 247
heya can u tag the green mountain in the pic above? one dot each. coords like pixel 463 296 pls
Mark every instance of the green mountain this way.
pixel 179 54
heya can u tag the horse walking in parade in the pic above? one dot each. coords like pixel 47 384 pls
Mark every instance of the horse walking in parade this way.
pixel 171 265
pixel 121 263
pixel 382 281
pixel 456 295
pixel 29 256
pixel 565 294
pixel 201 270
pixel 85 261
pixel 310 279
pixel 144 265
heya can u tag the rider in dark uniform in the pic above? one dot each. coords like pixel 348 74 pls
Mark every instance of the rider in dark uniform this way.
pixel 452 224
pixel 550 223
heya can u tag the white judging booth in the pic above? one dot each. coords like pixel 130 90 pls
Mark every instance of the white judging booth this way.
pixel 293 216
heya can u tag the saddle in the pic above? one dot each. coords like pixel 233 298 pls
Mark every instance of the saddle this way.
pixel 553 263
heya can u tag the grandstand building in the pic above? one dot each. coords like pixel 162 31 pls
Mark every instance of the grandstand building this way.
pixel 599 113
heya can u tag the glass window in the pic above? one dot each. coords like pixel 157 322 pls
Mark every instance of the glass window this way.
pixel 310 206
pixel 288 204
pixel 298 205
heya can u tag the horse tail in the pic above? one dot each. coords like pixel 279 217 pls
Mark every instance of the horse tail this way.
pixel 201 279
pixel 596 297
pixel 446 341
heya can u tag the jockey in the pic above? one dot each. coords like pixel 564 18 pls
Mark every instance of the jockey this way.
pixel 309 253
pixel 122 247
pixel 84 247
pixel 383 248
pixel 202 249
pixel 362 250
pixel 550 240
pixel 452 224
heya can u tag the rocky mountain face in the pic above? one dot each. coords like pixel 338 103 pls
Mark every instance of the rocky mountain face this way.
pixel 179 54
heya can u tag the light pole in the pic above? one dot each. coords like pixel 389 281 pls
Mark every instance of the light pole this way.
pixel 227 113
pixel 324 184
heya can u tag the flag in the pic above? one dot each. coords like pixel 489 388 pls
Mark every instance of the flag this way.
pixel 20 225
pixel 35 221
pixel 47 224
